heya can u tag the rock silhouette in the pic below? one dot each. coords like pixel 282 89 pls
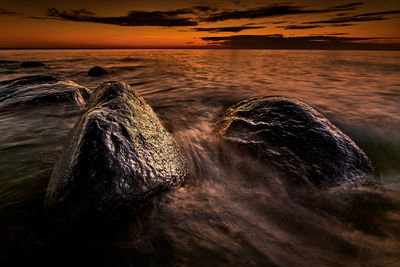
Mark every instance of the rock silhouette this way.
pixel 298 141
pixel 39 89
pixel 32 64
pixel 118 156
pixel 98 71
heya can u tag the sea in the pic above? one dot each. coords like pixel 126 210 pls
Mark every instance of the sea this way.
pixel 221 216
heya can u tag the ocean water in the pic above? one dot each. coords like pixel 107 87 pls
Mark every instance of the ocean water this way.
pixel 223 215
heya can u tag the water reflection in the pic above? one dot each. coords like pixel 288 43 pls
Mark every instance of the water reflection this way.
pixel 232 211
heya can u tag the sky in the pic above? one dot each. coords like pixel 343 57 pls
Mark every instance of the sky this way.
pixel 305 24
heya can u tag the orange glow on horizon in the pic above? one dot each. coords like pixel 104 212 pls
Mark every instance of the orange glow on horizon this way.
pixel 21 31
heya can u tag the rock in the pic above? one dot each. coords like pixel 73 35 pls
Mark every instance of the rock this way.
pixel 8 62
pixel 118 156
pixel 32 64
pixel 298 141
pixel 97 71
pixel 39 89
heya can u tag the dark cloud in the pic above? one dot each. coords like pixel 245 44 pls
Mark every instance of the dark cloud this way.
pixel 205 8
pixel 333 34
pixel 381 13
pixel 228 29
pixel 171 18
pixel 342 25
pixel 271 11
pixel 342 14
pixel 358 18
pixel 81 12
pixel 305 42
pixel 300 27
pixel 7 12
pixel 279 22
pixel 255 24
pixel 349 5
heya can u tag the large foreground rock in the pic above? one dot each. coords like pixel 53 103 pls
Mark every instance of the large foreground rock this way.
pixel 298 141
pixel 118 156
pixel 39 89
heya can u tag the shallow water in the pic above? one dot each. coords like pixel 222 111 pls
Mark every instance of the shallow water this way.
pixel 232 211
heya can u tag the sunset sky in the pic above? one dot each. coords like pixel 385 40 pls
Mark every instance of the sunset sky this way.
pixel 306 24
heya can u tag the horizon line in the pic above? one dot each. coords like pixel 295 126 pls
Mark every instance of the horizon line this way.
pixel 198 48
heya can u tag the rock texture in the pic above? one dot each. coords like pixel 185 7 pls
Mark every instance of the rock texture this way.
pixel 298 141
pixel 39 89
pixel 118 156
pixel 97 71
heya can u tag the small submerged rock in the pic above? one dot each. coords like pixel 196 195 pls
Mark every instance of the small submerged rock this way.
pixel 8 61
pixel 32 64
pixel 118 156
pixel 40 89
pixel 298 141
pixel 98 71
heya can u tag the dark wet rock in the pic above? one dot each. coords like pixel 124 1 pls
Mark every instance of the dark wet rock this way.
pixel 298 141
pixel 39 89
pixel 118 156
pixel 32 64
pixel 8 62
pixel 97 71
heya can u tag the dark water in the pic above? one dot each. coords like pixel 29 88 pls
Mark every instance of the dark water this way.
pixel 232 211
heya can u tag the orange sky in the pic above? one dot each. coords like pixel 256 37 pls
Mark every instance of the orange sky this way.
pixel 29 24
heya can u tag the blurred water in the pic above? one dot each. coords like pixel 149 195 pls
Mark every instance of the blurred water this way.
pixel 232 211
